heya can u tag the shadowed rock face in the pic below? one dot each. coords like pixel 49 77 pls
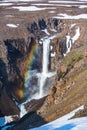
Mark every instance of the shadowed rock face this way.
pixel 11 74
pixel 7 106
pixel 62 46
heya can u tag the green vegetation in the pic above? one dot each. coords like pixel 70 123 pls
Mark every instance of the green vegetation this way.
pixel 72 58
pixel 77 57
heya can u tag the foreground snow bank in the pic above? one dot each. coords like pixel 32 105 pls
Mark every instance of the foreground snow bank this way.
pixel 64 124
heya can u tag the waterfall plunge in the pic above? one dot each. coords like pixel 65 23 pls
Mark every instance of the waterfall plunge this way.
pixel 46 51
pixel 45 62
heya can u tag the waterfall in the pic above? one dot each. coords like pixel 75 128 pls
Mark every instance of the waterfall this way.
pixel 45 62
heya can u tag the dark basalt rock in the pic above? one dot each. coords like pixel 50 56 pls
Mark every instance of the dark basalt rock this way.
pixel 34 104
pixel 62 46
pixel 56 22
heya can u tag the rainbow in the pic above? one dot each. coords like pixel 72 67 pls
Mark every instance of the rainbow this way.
pixel 28 65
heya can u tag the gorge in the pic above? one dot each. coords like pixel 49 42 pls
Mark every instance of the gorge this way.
pixel 43 62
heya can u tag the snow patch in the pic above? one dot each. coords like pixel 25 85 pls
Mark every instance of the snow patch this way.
pixel 51 47
pixel 20 0
pixel 53 54
pixel 66 16
pixel 12 25
pixel 8 119
pixel 28 8
pixel 82 6
pixel 5 4
pixel 77 35
pixel 71 2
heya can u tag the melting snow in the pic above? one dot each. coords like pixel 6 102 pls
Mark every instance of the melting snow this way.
pixel 76 36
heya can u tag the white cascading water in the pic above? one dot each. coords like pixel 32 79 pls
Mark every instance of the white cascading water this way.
pixel 45 62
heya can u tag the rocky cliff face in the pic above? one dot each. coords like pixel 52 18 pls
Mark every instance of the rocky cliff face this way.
pixel 18 58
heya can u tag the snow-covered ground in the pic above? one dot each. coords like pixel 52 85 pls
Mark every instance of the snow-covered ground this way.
pixel 31 8
pixel 64 123
pixel 28 8
pixel 66 1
